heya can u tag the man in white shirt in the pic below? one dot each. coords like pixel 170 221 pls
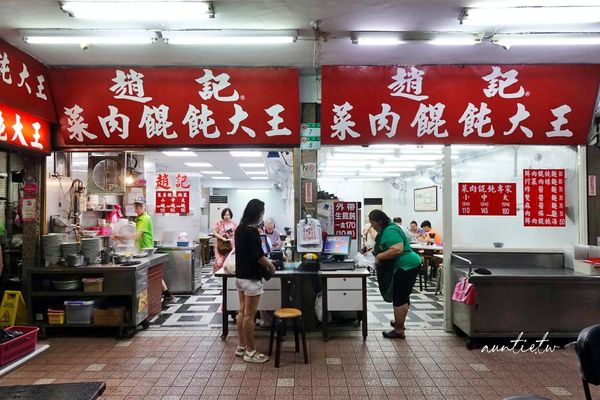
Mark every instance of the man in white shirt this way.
pixel 407 232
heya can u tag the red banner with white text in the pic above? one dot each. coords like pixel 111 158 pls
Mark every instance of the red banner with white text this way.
pixel 24 83
pixel 544 197
pixel 452 104
pixel 24 131
pixel 166 107
pixel 487 198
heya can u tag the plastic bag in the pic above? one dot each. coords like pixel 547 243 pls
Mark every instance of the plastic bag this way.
pixel 365 260
pixel 229 263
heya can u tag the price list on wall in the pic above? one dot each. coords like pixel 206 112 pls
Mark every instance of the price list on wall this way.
pixel 487 198
pixel 344 218
pixel 544 197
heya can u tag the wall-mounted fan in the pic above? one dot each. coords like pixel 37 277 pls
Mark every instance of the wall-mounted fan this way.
pixel 106 173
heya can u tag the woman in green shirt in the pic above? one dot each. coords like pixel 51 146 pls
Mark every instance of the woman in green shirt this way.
pixel 397 268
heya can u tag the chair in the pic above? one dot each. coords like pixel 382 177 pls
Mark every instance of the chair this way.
pixel 279 322
pixel 588 353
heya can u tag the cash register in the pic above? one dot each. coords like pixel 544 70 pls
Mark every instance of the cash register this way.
pixel 334 256
pixel 276 256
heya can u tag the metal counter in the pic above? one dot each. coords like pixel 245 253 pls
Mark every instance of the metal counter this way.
pixel 182 269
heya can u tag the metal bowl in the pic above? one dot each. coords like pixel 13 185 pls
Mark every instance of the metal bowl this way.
pixel 150 250
pixel 75 260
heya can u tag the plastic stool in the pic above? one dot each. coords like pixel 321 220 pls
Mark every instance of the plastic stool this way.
pixel 279 319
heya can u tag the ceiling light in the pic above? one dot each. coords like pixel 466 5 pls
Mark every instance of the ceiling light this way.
pixel 220 177
pixel 563 39
pixel 252 190
pixel 259 178
pixel 252 165
pixel 454 41
pixel 79 37
pixel 255 172
pixel 211 172
pixel 249 154
pixel 377 38
pixel 179 153
pixel 224 37
pixel 364 178
pixel 139 10
pixel 199 164
pixel 530 15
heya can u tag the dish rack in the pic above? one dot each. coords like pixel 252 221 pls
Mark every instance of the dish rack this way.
pixel 19 346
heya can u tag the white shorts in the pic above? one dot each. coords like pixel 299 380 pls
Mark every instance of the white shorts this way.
pixel 249 287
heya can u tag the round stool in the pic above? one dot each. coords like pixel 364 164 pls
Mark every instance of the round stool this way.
pixel 279 320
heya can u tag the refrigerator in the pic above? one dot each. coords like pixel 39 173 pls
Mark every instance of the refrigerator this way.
pixel 182 269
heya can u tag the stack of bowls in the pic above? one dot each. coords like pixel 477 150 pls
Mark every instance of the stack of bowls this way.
pixel 51 245
pixel 90 248
pixel 68 248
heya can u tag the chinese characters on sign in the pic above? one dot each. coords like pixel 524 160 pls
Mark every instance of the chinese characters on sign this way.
pixel 345 215
pixel 487 198
pixel 174 198
pixel 24 83
pixel 24 130
pixel 544 197
pixel 489 104
pixel 174 106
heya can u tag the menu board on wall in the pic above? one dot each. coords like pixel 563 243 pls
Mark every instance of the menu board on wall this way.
pixel 345 217
pixel 544 197
pixel 174 197
pixel 487 198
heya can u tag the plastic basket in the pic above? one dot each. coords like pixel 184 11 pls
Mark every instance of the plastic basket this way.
pixel 20 346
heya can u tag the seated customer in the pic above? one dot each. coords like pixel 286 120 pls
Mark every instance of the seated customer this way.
pixel 432 235
pixel 407 232
pixel 417 232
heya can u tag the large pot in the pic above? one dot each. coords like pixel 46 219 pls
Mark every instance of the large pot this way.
pixel 75 260
pixel 122 258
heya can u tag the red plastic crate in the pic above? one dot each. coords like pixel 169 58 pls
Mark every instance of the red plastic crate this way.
pixel 20 346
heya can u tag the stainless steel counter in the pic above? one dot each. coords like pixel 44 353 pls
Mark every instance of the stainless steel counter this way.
pixel 529 293
pixel 182 268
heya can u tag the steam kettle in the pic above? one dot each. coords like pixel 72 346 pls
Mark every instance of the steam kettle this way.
pixel 107 255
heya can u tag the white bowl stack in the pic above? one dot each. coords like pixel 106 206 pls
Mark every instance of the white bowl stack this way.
pixel 51 246
pixel 90 248
pixel 70 248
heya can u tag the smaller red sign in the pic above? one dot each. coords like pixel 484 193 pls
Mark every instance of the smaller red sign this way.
pixel 487 198
pixel 544 197
pixel 172 202
pixel 23 130
pixel 345 215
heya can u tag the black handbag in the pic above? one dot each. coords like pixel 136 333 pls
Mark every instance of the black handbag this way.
pixel 265 273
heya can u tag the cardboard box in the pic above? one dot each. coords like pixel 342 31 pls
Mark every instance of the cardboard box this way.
pixel 109 316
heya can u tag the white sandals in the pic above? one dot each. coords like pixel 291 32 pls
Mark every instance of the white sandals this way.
pixel 240 351
pixel 255 357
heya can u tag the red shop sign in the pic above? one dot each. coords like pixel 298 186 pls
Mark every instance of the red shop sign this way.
pixel 345 215
pixel 23 130
pixel 544 197
pixel 177 106
pixel 451 104
pixel 172 202
pixel 24 83
pixel 487 198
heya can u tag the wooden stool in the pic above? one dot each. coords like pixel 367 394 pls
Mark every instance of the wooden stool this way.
pixel 279 319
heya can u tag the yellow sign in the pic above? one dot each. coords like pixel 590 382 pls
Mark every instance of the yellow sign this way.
pixel 13 310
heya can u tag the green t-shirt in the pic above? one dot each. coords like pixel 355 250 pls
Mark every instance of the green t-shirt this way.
pixel 143 224
pixel 392 235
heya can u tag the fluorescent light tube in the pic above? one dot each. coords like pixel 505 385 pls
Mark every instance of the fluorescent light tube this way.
pixel 249 154
pixel 252 165
pixel 179 153
pixel 233 37
pixel 220 177
pixel 211 172
pixel 255 172
pixel 259 178
pixel 453 41
pixel 378 41
pixel 531 15
pixel 199 164
pixel 546 40
pixel 252 190
pixel 123 40
pixel 138 10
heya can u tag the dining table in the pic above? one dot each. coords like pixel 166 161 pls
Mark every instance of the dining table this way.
pixel 429 251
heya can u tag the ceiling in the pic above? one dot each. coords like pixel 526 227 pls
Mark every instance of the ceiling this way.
pixel 338 18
